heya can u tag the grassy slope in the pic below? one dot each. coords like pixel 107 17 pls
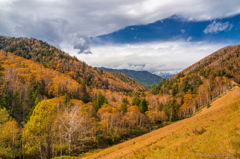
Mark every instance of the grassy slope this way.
pixel 220 136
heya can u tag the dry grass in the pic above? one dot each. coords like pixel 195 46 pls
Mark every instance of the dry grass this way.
pixel 213 131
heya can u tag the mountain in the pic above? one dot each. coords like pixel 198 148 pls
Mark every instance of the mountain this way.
pixel 53 58
pixel 222 63
pixel 166 74
pixel 145 78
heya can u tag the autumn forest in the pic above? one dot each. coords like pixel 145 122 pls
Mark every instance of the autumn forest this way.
pixel 53 104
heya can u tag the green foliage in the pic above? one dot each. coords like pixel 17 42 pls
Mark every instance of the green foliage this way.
pixel 154 90
pixel 175 90
pixel 136 101
pixel 143 105
pixel 124 105
pixel 98 101
pixel 171 104
pixel 33 99
pixel 65 100
pixel 143 94
pixel 185 86
pixel 73 95
pixel 5 102
pixel 120 76
pixel 205 73
pixel 180 75
pixel 85 97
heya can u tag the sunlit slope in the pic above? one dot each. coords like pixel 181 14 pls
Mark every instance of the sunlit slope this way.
pixel 213 131
pixel 55 59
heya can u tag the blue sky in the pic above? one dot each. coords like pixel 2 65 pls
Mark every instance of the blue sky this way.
pixel 174 29
pixel 147 35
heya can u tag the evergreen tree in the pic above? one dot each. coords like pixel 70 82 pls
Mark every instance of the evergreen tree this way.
pixel 124 105
pixel 136 101
pixel 143 105
pixel 85 98
pixel 175 90
pixel 98 101
pixel 5 102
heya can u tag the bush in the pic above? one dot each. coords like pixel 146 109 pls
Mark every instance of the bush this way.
pixel 197 131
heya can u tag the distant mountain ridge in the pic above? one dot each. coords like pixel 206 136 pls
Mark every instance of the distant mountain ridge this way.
pixel 145 78
pixel 166 74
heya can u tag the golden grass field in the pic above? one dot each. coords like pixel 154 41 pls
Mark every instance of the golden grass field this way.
pixel 212 133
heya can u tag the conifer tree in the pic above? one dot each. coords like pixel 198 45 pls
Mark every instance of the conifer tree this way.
pixel 124 105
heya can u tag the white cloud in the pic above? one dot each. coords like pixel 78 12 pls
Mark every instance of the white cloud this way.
pixel 215 27
pixel 189 38
pixel 153 57
pixel 182 31
pixel 230 27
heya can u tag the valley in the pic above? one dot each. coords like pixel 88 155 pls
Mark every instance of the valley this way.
pixel 52 104
pixel 144 78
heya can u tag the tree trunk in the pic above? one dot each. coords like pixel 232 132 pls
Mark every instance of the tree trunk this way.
pixel 48 148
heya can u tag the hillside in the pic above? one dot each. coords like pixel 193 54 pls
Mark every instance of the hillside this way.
pixel 189 138
pixel 198 84
pixel 27 87
pixel 224 62
pixel 145 78
pixel 53 58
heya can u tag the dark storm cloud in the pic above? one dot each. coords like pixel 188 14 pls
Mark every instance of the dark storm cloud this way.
pixel 82 44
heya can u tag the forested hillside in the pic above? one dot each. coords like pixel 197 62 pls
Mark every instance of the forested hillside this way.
pixel 53 58
pixel 198 84
pixel 194 137
pixel 52 104
pixel 145 78
pixel 29 92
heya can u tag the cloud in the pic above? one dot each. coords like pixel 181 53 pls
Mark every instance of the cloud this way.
pixel 182 31
pixel 230 27
pixel 58 21
pixel 216 27
pixel 189 38
pixel 152 57
pixel 82 44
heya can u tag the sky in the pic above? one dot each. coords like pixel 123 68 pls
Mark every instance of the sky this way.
pixel 147 35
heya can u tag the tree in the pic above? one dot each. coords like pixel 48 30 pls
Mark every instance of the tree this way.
pixel 185 85
pixel 85 94
pixel 38 132
pixel 124 105
pixel 5 102
pixel 11 133
pixel 136 101
pixel 70 122
pixel 143 105
pixel 135 117
pixel 98 101
pixel 4 117
pixel 175 89
pixel 110 119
